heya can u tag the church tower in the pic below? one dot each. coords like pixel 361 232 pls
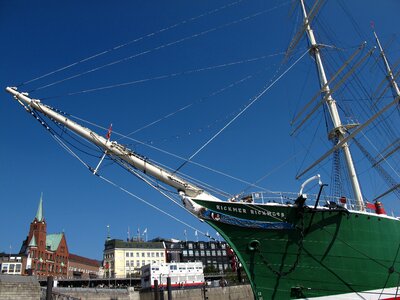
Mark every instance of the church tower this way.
pixel 38 229
pixel 47 254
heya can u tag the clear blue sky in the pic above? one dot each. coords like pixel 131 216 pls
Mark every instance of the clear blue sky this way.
pixel 40 37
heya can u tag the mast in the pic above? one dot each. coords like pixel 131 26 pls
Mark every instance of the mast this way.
pixel 113 148
pixel 339 129
pixel 387 66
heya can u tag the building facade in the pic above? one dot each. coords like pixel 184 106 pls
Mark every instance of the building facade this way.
pixel 124 259
pixel 213 254
pixel 12 264
pixel 83 268
pixel 47 254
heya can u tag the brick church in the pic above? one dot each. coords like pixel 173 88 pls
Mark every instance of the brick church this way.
pixel 47 254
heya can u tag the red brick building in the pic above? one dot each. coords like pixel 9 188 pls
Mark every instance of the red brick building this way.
pixel 47 254
pixel 82 267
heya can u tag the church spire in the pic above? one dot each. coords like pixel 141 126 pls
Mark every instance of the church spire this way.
pixel 39 213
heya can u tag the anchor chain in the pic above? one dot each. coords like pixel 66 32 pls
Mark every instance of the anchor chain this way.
pixel 257 249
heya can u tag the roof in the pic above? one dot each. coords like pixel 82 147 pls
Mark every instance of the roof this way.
pixel 112 244
pixel 83 260
pixel 53 240
pixel 32 243
pixel 39 213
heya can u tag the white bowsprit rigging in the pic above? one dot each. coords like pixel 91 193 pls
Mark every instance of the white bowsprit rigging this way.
pixel 123 156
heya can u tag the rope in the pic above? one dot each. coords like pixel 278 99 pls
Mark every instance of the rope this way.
pixel 173 155
pixel 60 141
pixel 165 76
pixel 163 46
pixel 133 41
pixel 380 154
pixel 148 203
pixel 241 112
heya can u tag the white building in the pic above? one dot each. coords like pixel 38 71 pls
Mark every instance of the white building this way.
pixel 187 274
pixel 12 264
pixel 124 258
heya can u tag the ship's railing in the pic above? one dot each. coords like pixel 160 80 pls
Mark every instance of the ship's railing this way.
pixel 290 198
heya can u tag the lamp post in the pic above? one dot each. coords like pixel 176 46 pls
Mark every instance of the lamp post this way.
pixel 130 275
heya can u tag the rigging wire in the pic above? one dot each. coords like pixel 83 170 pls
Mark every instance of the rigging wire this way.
pixel 171 154
pixel 71 152
pixel 152 34
pixel 268 174
pixel 165 76
pixel 244 110
pixel 379 153
pixel 163 46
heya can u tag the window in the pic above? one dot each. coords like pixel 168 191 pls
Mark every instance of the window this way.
pixel 190 246
pixel 148 254
pixel 202 252
pixel 172 267
pixel 212 246
pixel 138 263
pixel 208 252
pixel 127 254
pixel 152 254
pixel 127 263
pixel 11 268
pixel 201 246
pixel 184 252
pixel 143 254
pixel 196 253
pixel 162 254
pixel 190 252
pixel 131 254
pixel 132 263
pixel 157 254
pixel 213 253
pixel 4 268
pixel 137 254
pixel 143 262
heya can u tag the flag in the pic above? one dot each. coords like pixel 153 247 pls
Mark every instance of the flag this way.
pixel 144 231
pixel 184 232
pixel 195 232
pixel 108 135
pixel 217 233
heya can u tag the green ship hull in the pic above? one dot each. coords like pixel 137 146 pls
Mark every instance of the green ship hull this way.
pixel 292 253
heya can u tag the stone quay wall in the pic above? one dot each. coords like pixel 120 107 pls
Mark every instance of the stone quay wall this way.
pixel 14 287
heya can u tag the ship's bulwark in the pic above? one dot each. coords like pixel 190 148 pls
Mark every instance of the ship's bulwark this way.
pixel 327 252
